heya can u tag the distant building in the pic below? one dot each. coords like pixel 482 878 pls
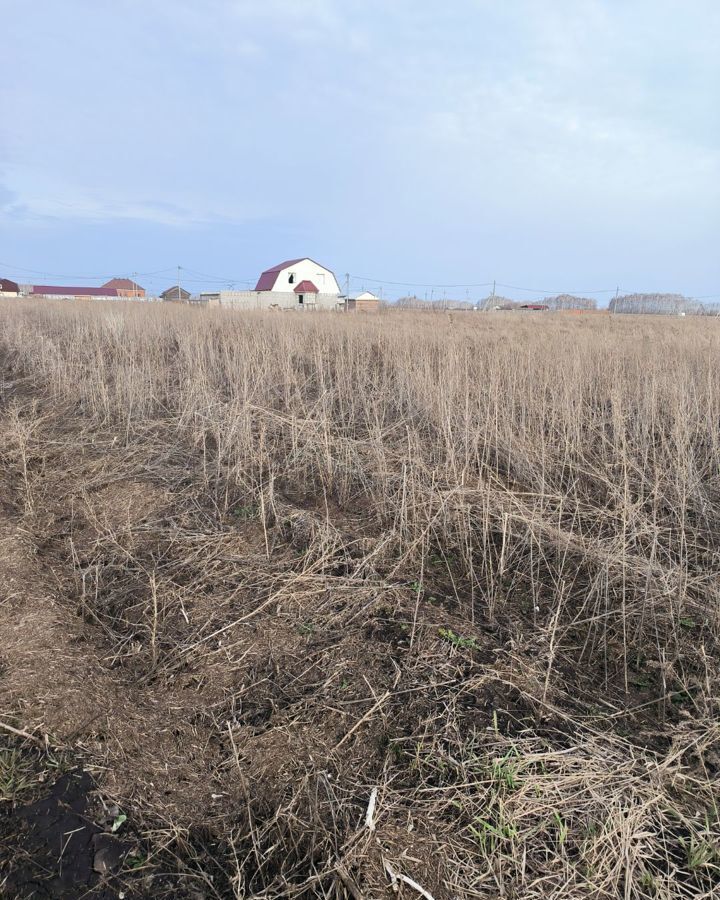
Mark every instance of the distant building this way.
pixel 9 288
pixel 365 302
pixel 569 302
pixel 536 307
pixel 299 284
pixel 58 292
pixel 125 287
pixel 175 294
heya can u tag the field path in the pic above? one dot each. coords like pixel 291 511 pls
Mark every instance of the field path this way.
pixel 46 680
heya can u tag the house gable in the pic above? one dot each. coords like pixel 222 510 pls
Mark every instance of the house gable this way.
pixel 285 277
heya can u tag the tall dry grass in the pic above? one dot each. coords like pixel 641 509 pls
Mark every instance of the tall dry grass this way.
pixel 555 478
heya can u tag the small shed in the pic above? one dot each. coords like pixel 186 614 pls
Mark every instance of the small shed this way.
pixel 175 294
pixel 365 302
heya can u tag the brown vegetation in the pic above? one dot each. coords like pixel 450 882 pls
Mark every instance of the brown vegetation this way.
pixel 325 604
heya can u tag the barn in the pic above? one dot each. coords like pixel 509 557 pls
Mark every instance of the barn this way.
pixel 286 276
pixel 296 284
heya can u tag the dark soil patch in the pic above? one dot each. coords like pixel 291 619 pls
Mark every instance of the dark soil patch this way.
pixel 52 848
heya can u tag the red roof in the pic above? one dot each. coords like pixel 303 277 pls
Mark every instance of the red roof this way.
pixel 306 287
pixel 268 278
pixel 122 284
pixel 55 290
pixel 10 286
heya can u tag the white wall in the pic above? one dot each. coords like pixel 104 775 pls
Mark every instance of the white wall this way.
pixel 75 297
pixel 277 300
pixel 322 278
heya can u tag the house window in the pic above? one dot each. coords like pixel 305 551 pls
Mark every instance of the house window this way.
pixel 291 279
pixel 301 299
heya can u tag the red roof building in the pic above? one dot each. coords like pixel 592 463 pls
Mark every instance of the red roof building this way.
pixel 9 287
pixel 306 287
pixel 54 290
pixel 125 287
pixel 286 277
pixel 269 277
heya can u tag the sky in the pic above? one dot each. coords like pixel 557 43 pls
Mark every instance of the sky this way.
pixel 421 147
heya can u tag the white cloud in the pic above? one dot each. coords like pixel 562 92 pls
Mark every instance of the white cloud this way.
pixel 233 109
pixel 31 196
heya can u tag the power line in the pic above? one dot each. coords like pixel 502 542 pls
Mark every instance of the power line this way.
pixel 208 278
pixel 13 268
pixel 219 278
pixel 515 287
pixel 418 284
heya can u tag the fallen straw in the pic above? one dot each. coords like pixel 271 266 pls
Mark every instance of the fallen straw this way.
pixel 364 719
pixel 22 734
pixel 369 815
pixel 398 876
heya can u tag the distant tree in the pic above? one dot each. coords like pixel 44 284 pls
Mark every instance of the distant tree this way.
pixel 568 301
pixel 656 304
pixel 410 302
pixel 414 302
pixel 710 309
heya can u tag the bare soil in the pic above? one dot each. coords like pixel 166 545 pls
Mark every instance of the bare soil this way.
pixel 220 735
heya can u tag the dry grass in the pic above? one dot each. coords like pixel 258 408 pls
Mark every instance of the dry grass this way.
pixel 470 562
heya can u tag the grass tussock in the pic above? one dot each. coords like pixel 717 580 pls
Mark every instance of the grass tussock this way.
pixel 464 566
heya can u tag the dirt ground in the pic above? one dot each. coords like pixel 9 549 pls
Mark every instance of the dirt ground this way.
pixel 200 698
pixel 211 728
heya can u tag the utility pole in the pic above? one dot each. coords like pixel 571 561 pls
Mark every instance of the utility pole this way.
pixel 178 283
pixel 347 285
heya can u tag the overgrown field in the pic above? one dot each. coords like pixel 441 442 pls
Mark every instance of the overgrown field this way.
pixel 324 605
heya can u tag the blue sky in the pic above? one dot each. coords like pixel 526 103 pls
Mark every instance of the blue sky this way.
pixel 548 144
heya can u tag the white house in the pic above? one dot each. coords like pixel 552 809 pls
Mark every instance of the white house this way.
pixel 295 284
pixel 285 277
pixel 9 288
